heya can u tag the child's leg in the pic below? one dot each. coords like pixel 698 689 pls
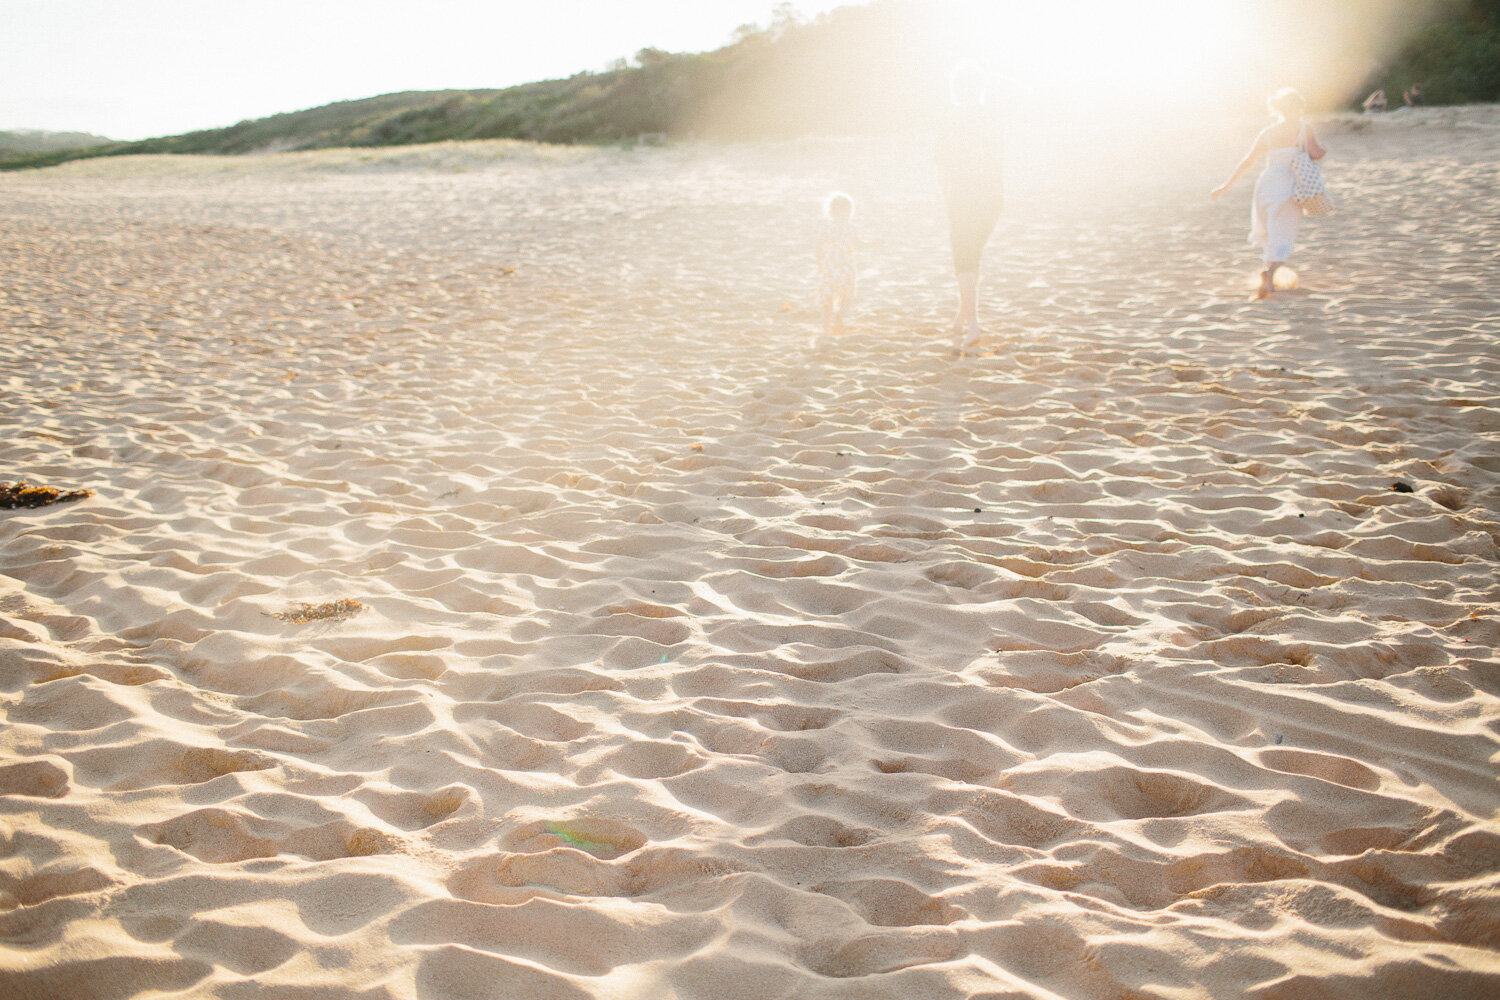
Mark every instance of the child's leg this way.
pixel 1281 235
pixel 1268 280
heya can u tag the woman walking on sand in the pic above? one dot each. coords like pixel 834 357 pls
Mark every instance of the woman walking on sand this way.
pixel 1274 215
pixel 969 160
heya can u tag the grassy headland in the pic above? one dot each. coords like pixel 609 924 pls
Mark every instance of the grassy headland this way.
pixel 1455 58
pixel 23 143
pixel 856 70
pixel 791 78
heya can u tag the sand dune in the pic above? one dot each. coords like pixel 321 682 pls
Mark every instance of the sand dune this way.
pixel 1151 653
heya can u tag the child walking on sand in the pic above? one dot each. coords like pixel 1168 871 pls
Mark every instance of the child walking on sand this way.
pixel 1275 214
pixel 836 278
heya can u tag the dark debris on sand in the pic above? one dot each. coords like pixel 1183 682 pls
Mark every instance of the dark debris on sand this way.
pixel 24 494
pixel 329 611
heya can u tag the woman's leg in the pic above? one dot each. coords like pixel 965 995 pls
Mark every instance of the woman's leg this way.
pixel 966 325
pixel 970 221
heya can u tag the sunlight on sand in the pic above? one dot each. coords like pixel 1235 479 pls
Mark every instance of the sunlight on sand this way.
pixel 1285 279
pixel 485 593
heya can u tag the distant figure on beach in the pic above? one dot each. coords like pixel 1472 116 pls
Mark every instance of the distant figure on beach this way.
pixel 836 277
pixel 1375 102
pixel 1413 96
pixel 1275 216
pixel 969 159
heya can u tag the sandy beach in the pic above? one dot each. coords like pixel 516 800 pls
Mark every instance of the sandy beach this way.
pixel 1148 654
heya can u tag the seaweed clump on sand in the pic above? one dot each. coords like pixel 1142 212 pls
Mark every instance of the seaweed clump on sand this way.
pixel 328 611
pixel 23 494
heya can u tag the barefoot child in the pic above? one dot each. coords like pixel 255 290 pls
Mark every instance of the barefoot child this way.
pixel 1275 215
pixel 836 263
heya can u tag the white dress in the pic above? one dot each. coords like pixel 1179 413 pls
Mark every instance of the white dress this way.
pixel 1274 216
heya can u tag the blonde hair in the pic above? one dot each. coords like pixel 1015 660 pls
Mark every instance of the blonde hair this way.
pixel 838 207
pixel 1285 103
pixel 967 83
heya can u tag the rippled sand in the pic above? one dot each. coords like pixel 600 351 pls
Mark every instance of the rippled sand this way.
pixel 695 663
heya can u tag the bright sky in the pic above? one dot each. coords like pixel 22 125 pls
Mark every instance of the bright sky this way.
pixel 135 69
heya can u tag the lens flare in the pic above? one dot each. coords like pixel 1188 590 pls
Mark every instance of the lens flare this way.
pixel 1106 53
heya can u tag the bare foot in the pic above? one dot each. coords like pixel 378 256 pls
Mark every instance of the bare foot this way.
pixel 1267 286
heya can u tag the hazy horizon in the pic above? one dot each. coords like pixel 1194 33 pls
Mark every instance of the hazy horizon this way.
pixel 174 66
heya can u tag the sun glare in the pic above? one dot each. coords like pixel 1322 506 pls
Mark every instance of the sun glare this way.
pixel 1105 50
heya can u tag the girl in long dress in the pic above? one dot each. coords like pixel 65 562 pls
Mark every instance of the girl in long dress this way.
pixel 1274 216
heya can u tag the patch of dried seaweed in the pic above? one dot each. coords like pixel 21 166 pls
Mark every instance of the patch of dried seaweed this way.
pixel 24 494
pixel 328 611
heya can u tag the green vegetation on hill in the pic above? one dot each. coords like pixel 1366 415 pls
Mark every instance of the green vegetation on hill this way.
pixel 1456 59
pixel 880 66
pixel 30 142
pixel 790 78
